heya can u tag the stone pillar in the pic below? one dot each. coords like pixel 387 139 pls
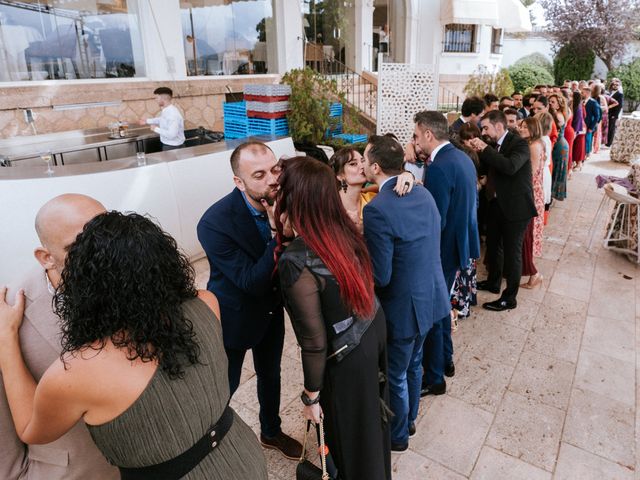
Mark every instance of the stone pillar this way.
pixel 161 32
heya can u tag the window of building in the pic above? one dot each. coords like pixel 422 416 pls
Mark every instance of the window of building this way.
pixel 58 39
pixel 228 37
pixel 324 27
pixel 496 40
pixel 460 38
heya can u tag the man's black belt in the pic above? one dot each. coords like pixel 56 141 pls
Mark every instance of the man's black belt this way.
pixel 179 466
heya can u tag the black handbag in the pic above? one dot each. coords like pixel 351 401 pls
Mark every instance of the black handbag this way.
pixel 307 470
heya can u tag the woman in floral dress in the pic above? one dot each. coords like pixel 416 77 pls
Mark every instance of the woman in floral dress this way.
pixel 531 130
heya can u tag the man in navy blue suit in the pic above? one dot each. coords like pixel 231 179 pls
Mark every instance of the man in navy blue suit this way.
pixel 452 180
pixel 237 234
pixel 403 236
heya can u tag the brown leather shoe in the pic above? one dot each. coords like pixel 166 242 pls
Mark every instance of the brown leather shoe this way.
pixel 287 446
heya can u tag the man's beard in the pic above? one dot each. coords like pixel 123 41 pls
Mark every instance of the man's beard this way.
pixel 488 140
pixel 258 197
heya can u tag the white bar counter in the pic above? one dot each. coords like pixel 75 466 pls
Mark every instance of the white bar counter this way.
pixel 174 187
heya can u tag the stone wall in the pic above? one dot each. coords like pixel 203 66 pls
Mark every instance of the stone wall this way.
pixel 199 99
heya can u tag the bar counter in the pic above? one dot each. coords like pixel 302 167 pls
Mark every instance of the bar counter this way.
pixel 173 187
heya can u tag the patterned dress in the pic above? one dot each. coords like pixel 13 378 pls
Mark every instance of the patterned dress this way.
pixel 538 197
pixel 463 294
pixel 560 156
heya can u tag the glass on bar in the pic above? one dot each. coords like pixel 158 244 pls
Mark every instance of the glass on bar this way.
pixel 47 157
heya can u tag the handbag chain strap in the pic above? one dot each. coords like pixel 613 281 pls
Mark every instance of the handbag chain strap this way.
pixel 323 454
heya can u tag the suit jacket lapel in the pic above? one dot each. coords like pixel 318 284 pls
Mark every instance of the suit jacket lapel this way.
pixel 246 226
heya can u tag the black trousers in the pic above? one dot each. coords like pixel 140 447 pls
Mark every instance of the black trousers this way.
pixel 613 119
pixel 267 356
pixel 501 231
pixel 166 148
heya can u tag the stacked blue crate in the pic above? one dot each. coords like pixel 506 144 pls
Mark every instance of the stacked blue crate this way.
pixel 352 137
pixel 263 126
pixel 236 123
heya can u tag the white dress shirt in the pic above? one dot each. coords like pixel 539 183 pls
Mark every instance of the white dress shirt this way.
pixel 437 149
pixel 170 126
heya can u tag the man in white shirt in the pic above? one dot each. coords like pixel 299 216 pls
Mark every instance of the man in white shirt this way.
pixel 170 124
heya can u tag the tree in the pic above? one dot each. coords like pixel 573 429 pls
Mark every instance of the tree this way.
pixel 484 81
pixel 528 3
pixel 573 63
pixel 629 75
pixel 604 26
pixel 525 76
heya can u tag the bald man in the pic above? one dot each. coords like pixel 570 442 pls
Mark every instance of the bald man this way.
pixel 74 456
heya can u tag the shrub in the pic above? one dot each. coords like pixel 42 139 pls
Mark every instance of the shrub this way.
pixel 526 76
pixel 311 96
pixel 572 63
pixel 484 81
pixel 538 60
pixel 629 75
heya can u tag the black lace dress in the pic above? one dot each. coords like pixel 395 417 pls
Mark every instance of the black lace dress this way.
pixel 352 391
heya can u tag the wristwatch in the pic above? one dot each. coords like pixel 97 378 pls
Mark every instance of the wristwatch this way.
pixel 309 401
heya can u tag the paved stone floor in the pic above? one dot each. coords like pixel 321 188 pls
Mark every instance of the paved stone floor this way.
pixel 545 391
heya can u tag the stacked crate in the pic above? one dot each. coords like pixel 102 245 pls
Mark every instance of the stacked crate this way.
pixel 267 109
pixel 236 123
pixel 335 128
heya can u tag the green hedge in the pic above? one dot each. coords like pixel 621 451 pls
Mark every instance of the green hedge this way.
pixel 538 60
pixel 526 76
pixel 573 63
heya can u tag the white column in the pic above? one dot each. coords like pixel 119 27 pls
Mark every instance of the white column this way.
pixel 363 44
pixel 163 39
pixel 427 43
pixel 288 33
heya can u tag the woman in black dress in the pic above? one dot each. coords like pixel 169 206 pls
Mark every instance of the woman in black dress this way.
pixel 327 283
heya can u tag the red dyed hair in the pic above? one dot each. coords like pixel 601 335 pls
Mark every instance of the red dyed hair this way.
pixel 309 197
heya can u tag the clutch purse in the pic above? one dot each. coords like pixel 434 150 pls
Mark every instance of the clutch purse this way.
pixel 307 470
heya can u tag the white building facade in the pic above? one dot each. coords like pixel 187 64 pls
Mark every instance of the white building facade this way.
pixel 102 51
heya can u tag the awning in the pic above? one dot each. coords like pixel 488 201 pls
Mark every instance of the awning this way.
pixel 513 16
pixel 481 12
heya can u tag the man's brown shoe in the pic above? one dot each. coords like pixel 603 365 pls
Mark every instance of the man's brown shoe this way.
pixel 287 446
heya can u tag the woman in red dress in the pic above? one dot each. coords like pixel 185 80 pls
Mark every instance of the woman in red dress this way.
pixel 579 145
pixel 569 132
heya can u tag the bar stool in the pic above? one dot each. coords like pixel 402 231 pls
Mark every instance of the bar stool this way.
pixel 617 239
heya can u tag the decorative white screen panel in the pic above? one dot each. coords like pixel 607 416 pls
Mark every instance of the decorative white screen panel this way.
pixel 404 90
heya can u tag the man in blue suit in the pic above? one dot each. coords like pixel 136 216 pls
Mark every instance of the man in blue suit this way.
pixel 237 235
pixel 403 236
pixel 452 180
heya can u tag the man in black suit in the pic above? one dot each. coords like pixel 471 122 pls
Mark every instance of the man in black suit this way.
pixel 472 108
pixel 511 206
pixel 237 234
pixel 614 112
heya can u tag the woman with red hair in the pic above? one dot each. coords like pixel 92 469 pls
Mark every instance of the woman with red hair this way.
pixel 327 283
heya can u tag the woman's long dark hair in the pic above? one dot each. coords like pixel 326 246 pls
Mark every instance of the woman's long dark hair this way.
pixel 309 197
pixel 577 103
pixel 124 279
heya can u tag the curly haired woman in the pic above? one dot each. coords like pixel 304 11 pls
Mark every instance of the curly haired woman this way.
pixel 142 360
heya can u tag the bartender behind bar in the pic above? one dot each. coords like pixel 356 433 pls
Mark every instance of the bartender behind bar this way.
pixel 170 124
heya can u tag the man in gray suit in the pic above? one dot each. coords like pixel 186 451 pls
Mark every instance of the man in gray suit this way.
pixel 74 456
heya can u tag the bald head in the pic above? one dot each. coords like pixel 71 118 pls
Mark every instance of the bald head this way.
pixel 58 223
pixel 65 214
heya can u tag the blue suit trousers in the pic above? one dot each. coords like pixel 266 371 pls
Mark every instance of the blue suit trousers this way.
pixel 438 345
pixel 405 381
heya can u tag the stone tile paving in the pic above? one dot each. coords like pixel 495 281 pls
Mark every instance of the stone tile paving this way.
pixel 547 391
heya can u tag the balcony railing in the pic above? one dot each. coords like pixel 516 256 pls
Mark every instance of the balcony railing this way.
pixel 361 93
